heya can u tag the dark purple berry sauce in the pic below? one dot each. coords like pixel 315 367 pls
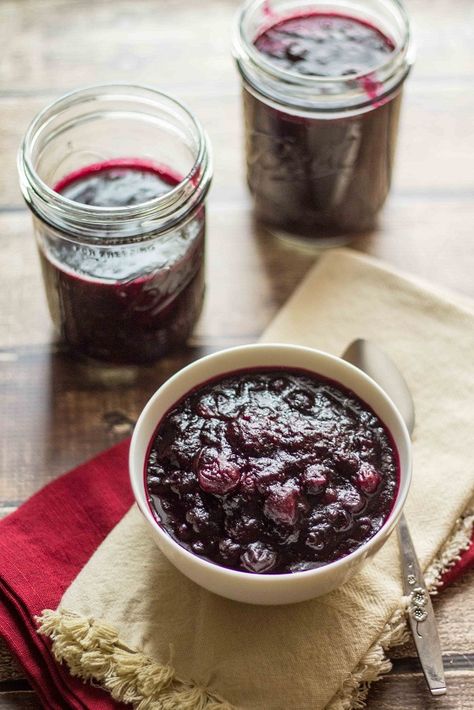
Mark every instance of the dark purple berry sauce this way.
pixel 322 178
pixel 100 309
pixel 271 471
pixel 117 183
pixel 324 45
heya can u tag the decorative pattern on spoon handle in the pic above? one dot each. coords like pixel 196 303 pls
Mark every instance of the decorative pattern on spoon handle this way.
pixel 420 613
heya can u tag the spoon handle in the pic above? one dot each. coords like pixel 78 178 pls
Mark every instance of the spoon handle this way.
pixel 420 613
pixel 370 359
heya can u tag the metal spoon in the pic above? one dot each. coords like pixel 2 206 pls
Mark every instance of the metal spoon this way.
pixel 375 363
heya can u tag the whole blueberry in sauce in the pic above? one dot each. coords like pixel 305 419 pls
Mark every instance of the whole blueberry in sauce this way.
pixel 271 471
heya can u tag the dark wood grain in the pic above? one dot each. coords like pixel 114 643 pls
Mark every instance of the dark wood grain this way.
pixel 19 700
pixel 9 668
pixel 408 692
pixel 56 411
pixel 396 691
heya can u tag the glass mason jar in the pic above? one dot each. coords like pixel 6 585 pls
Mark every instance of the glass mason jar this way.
pixel 124 282
pixel 320 149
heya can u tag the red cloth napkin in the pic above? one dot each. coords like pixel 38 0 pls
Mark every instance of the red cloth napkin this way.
pixel 45 544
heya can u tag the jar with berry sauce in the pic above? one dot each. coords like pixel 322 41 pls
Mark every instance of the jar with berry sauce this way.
pixel 322 87
pixel 116 178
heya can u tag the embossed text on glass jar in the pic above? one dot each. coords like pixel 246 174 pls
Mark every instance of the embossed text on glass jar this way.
pixel 116 178
pixel 321 92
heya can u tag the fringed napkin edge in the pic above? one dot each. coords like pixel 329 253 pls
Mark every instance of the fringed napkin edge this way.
pixel 92 650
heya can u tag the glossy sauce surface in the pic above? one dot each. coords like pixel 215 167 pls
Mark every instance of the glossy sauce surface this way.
pixel 324 45
pixel 117 183
pixel 272 471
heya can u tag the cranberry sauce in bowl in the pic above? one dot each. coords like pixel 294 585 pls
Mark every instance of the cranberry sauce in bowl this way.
pixel 271 470
pixel 321 95
pixel 116 178
pixel 100 309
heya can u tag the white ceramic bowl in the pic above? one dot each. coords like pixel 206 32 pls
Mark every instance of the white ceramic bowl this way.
pixel 261 588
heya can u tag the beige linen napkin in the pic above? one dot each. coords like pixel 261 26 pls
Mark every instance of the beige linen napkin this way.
pixel 133 623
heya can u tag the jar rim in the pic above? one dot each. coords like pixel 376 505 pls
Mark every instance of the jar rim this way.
pixel 35 190
pixel 312 79
pixel 247 55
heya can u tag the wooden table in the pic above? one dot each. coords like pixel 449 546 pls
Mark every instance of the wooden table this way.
pixel 55 412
